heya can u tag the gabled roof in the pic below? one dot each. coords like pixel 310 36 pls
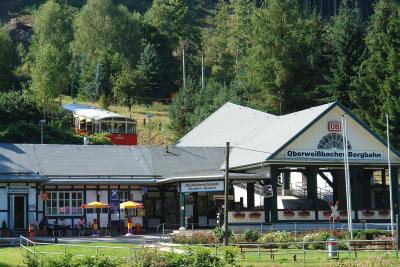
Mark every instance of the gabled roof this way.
pixel 253 135
pixel 72 163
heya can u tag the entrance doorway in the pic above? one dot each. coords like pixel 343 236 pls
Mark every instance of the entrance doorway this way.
pixel 17 212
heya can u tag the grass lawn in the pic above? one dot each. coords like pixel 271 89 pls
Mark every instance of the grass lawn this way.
pixel 14 256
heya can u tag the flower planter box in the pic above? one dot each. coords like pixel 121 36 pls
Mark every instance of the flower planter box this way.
pixel 239 215
pixel 255 215
pixel 327 213
pixel 384 212
pixel 304 213
pixel 288 213
pixel 368 213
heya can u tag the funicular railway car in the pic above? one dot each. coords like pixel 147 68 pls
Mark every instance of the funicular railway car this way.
pixel 89 120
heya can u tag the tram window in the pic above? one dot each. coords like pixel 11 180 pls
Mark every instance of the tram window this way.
pixel 89 127
pixel 106 127
pixel 82 125
pixel 118 128
pixel 130 128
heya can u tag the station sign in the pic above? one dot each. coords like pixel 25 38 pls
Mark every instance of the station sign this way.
pixel 18 189
pixel 324 154
pixel 205 186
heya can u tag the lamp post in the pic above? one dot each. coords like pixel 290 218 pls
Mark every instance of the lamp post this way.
pixel 41 122
pixel 149 116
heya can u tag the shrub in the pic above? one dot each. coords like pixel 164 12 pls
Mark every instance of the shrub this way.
pixel 196 238
pixel 251 235
pixel 72 261
pixel 369 234
pixel 219 232
pixel 148 257
pixel 278 237
pixel 231 255
pixel 202 257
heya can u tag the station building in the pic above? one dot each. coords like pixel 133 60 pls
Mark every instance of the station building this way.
pixel 299 155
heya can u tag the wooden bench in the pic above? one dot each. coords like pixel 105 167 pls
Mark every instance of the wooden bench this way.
pixel 259 248
pixel 366 245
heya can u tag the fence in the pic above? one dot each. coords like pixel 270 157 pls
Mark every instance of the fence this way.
pixel 306 251
pixel 36 248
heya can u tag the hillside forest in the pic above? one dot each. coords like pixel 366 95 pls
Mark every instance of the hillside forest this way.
pixel 277 56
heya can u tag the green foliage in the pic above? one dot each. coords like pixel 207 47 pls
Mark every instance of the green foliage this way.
pixel 231 255
pixel 50 51
pixel 8 62
pixel 72 261
pixel 376 87
pixel 49 75
pixel 174 19
pixel 345 44
pixel 285 61
pixel 149 69
pixel 195 238
pixel 100 139
pixel 219 233
pixel 278 237
pixel 369 234
pixel 193 104
pixel 20 117
pixel 251 235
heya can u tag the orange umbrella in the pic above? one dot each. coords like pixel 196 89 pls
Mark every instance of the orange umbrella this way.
pixel 131 205
pixel 95 205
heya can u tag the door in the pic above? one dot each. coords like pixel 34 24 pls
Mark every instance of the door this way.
pixel 18 211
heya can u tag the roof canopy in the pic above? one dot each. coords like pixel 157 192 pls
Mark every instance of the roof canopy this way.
pixel 92 112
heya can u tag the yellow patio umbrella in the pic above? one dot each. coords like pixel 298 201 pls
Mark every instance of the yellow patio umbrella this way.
pixel 95 205
pixel 131 205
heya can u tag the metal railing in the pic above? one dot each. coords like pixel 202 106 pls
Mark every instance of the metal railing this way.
pixel 271 250
pixel 164 229
pixel 32 247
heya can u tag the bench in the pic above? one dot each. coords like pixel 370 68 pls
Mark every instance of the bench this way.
pixel 259 248
pixel 366 245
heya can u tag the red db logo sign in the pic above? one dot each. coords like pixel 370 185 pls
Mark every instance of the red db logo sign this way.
pixel 334 126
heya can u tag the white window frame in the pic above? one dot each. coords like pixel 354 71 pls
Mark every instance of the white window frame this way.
pixel 69 211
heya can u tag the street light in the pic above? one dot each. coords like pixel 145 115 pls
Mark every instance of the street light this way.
pixel 41 122
pixel 149 116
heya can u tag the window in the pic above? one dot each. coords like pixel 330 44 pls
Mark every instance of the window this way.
pixel 64 203
pixel 332 141
pixel 123 196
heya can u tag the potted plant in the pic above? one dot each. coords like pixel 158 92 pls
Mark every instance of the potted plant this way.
pixel 384 212
pixel 288 212
pixel 368 212
pixel 239 215
pixel 4 229
pixel 255 215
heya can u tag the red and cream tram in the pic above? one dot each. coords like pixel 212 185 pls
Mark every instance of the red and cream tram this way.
pixel 88 120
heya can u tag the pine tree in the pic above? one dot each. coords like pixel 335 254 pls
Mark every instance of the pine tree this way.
pixel 376 87
pixel 346 47
pixel 149 67
pixel 8 62
pixel 285 62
